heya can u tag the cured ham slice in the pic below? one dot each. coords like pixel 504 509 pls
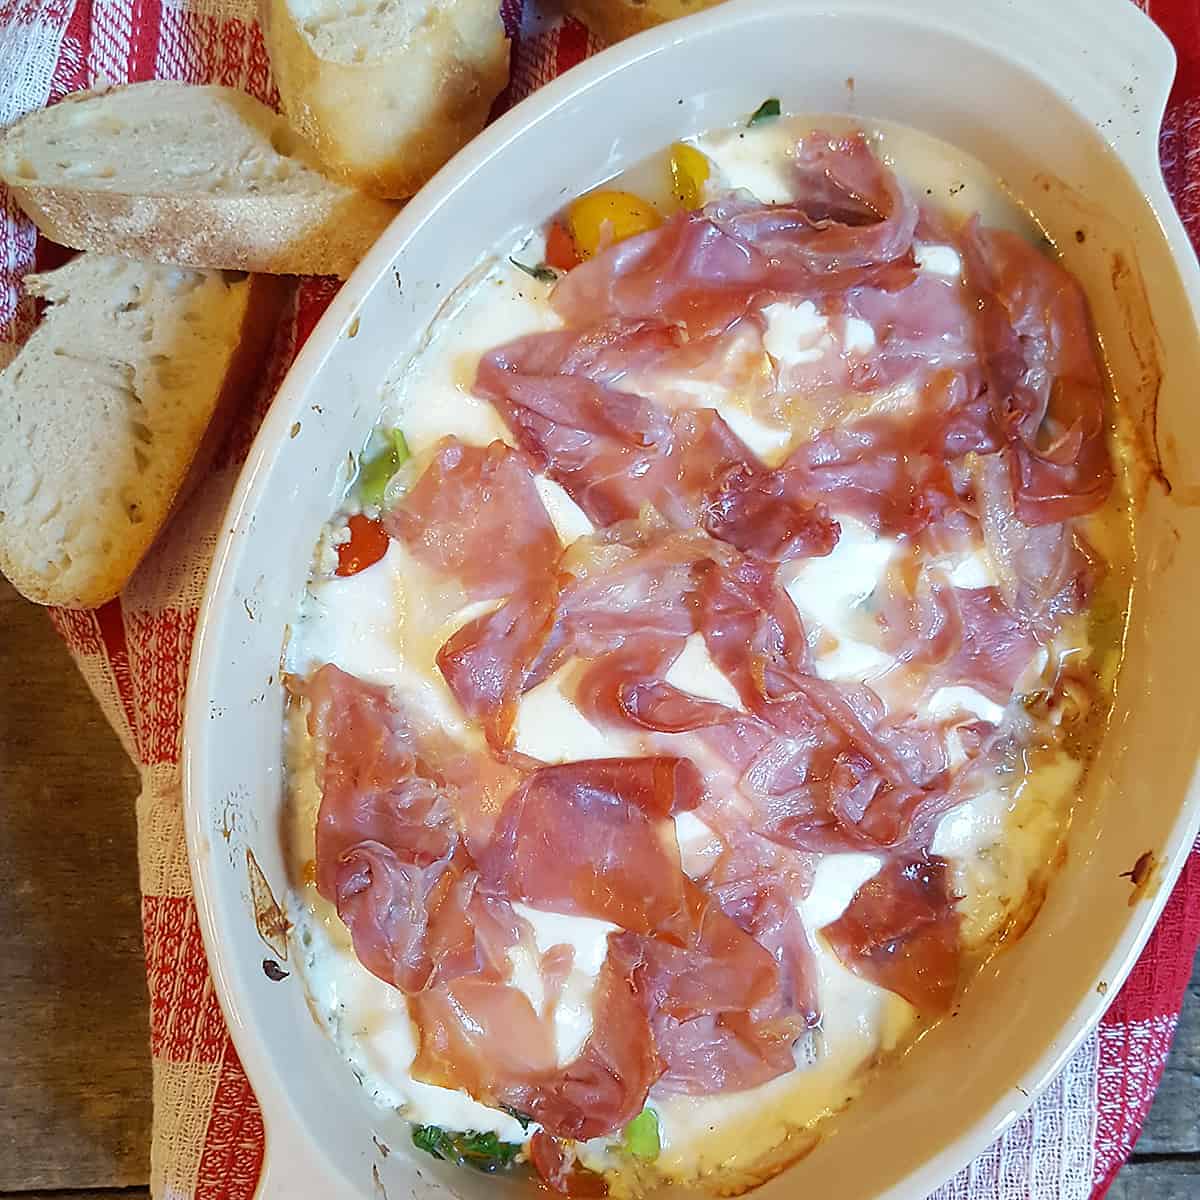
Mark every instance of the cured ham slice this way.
pixel 632 582
pixel 486 1038
pixel 389 851
pixel 594 838
pixel 720 1018
pixel 703 269
pixel 751 628
pixel 556 391
pixel 1046 571
pixel 759 513
pixel 487 662
pixel 759 885
pixel 1043 378
pixel 628 687
pixel 961 635
pixel 901 931
pixel 615 452
pixel 476 514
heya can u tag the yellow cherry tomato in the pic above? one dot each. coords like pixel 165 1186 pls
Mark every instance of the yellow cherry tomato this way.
pixel 689 173
pixel 601 218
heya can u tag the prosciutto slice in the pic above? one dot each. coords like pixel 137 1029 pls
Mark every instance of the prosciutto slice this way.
pixel 487 1039
pixel 487 662
pixel 389 851
pixel 476 514
pixel 901 931
pixel 595 838
pixel 612 450
pixel 1043 378
pixel 703 269
pixel 627 687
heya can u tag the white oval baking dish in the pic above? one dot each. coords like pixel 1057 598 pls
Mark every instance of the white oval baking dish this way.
pixel 1063 101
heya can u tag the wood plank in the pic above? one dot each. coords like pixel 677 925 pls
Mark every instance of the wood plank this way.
pixel 1161 1179
pixel 136 1193
pixel 75 1088
pixel 1173 1126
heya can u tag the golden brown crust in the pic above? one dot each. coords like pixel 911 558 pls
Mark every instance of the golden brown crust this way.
pixel 388 123
pixel 278 235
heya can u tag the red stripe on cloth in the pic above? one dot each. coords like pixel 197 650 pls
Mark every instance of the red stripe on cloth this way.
pixel 160 648
pixel 79 629
pixel 1180 140
pixel 186 1025
pixel 234 1140
pixel 1136 1032
pixel 146 24
pixel 70 72
pixel 572 45
pixel 110 621
pixel 314 297
pixel 30 12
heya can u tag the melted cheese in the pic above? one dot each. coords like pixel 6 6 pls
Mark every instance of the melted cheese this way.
pixel 796 333
pixel 588 938
pixel 431 398
pixel 695 672
pixel 938 260
pixel 755 160
pixel 830 594
pixel 569 520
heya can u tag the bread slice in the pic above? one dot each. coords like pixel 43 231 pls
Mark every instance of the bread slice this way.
pixel 199 176
pixel 105 409
pixel 613 20
pixel 386 90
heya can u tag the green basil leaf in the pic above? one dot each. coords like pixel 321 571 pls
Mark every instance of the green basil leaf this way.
pixel 766 111
pixel 482 1151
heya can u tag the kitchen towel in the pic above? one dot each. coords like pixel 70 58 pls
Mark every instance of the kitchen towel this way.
pixel 208 1134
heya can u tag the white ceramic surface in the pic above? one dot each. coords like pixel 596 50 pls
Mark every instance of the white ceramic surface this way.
pixel 1063 99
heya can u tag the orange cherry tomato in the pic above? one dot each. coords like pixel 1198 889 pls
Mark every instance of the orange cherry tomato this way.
pixel 560 248
pixel 367 545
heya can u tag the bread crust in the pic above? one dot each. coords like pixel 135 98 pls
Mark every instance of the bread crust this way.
pixel 388 124
pixel 321 228
pixel 288 235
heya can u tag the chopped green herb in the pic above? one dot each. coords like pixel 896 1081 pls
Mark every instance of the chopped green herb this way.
pixel 766 111
pixel 483 1151
pixel 541 272
pixel 375 473
pixel 641 1135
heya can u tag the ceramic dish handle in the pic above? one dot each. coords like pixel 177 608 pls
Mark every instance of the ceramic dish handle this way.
pixel 1111 61
pixel 1107 57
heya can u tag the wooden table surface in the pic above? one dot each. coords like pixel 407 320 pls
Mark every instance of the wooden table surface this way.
pixel 74 1064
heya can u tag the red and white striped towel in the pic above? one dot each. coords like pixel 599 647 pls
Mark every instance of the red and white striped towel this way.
pixel 208 1135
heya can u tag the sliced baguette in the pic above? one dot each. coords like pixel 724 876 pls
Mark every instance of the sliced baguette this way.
pixel 105 409
pixel 613 20
pixel 199 176
pixel 386 90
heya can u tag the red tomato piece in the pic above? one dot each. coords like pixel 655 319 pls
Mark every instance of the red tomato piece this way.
pixel 368 544
pixel 560 248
